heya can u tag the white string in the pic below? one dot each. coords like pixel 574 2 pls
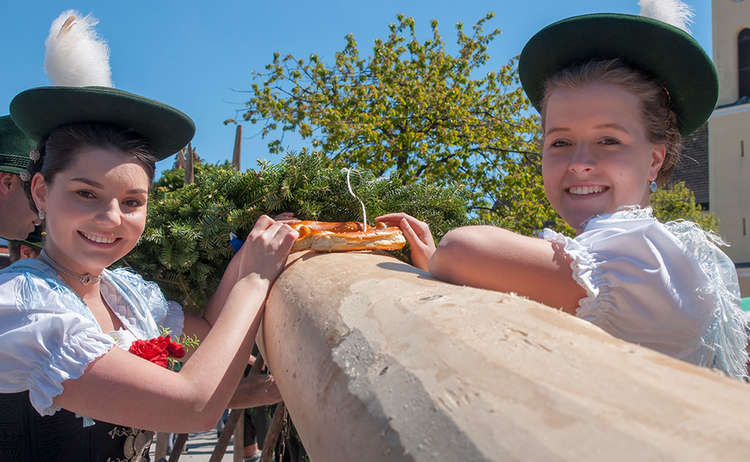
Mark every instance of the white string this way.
pixel 364 212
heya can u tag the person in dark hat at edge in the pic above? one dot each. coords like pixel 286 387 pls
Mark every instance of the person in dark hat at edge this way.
pixel 616 93
pixel 18 250
pixel 72 387
pixel 17 219
pixel 26 248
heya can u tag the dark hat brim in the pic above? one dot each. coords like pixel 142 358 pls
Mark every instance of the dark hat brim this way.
pixel 34 239
pixel 13 164
pixel 36 245
pixel 39 111
pixel 662 51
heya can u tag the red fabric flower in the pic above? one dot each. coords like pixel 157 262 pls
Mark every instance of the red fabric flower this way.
pixel 153 350
pixel 158 350
pixel 174 349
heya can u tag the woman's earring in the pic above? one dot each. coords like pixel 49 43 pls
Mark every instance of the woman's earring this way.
pixel 42 215
pixel 652 186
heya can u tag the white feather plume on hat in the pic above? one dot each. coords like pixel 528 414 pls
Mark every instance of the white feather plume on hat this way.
pixel 75 55
pixel 672 12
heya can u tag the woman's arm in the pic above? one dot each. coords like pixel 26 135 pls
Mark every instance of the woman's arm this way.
pixel 195 325
pixel 494 258
pixel 200 325
pixel 124 389
pixel 254 391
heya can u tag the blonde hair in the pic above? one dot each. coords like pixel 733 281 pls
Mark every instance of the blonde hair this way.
pixel 659 120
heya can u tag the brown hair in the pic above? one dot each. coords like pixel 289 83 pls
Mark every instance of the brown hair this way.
pixel 659 120
pixel 58 150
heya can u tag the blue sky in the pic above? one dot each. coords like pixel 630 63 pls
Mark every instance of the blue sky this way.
pixel 198 55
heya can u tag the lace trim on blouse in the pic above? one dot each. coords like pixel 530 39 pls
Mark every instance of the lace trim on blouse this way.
pixel 725 339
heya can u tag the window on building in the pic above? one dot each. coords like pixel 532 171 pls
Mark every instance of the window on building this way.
pixel 743 49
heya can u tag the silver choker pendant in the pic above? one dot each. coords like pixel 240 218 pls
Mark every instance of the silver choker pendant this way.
pixel 85 278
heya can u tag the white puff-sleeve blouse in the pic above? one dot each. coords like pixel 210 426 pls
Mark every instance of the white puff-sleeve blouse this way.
pixel 666 286
pixel 48 335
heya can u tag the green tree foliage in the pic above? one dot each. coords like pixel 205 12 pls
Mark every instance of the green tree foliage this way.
pixel 185 246
pixel 417 109
pixel 676 202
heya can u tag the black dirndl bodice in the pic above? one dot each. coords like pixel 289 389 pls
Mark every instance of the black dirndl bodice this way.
pixel 26 436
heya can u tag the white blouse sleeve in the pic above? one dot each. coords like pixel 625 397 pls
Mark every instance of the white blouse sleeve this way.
pixel 42 343
pixel 644 285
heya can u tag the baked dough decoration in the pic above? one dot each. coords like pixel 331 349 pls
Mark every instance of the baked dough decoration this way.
pixel 325 236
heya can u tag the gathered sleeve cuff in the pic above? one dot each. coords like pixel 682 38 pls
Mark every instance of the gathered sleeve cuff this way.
pixel 582 263
pixel 41 343
pixel 664 286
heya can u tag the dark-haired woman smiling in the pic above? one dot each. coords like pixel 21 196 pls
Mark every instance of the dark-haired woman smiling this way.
pixel 66 322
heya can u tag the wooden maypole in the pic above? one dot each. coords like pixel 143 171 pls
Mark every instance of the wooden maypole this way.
pixel 237 154
pixel 190 164
pixel 376 360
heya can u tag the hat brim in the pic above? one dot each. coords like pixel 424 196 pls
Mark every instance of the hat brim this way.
pixel 664 52
pixel 36 245
pixel 34 239
pixel 39 111
pixel 14 147
pixel 13 170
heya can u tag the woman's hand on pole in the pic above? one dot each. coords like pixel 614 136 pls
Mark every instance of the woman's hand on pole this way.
pixel 265 250
pixel 418 235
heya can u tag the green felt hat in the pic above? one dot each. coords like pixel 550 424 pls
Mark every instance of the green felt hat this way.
pixel 662 51
pixel 38 111
pixel 14 147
